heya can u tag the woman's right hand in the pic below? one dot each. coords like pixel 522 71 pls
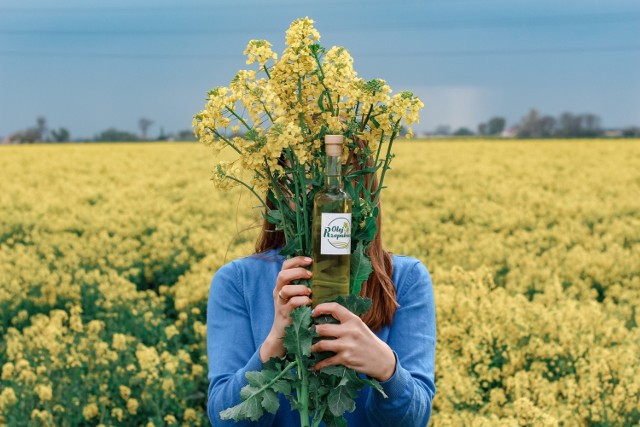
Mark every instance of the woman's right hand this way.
pixel 286 298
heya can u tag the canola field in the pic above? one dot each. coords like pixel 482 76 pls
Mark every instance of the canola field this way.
pixel 107 252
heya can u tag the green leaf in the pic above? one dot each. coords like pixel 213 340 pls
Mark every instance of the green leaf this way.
pixel 360 268
pixel 331 421
pixel 335 370
pixel 290 247
pixel 341 400
pixel 355 304
pixel 270 401
pixel 298 335
pixel 274 216
pixel 374 384
pixel 282 387
pixel 360 172
pixel 320 103
pixel 249 409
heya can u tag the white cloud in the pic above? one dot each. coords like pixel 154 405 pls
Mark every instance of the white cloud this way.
pixel 456 106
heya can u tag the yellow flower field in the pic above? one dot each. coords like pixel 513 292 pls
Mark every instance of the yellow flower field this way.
pixel 107 252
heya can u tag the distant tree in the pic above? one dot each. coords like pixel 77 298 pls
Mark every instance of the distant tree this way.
pixel 583 125
pixel 41 127
pixel 442 130
pixel 496 125
pixel 534 126
pixel 591 125
pixel 115 135
pixel 631 132
pixel 547 126
pixel 463 132
pixel 144 125
pixel 528 127
pixel 185 135
pixel 61 135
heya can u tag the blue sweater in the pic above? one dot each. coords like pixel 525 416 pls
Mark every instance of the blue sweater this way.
pixel 239 318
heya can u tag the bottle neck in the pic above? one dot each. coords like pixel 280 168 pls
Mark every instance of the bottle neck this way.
pixel 333 172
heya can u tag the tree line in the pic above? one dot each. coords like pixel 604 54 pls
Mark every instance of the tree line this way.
pixel 41 132
pixel 532 125
pixel 536 125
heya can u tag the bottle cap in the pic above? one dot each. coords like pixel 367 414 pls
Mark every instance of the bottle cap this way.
pixel 333 144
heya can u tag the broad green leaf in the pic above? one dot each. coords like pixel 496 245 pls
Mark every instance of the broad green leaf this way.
pixel 282 386
pixel 249 409
pixel 248 391
pixel 360 268
pixel 270 401
pixel 355 304
pixel 341 400
pixel 274 216
pixel 259 378
pixel 331 421
pixel 298 336
pixel 374 384
pixel 336 370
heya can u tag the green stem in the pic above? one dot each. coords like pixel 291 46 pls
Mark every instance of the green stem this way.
pixel 303 395
pixel 387 160
pixel 317 58
pixel 250 189
pixel 317 417
pixel 266 70
pixel 301 231
pixel 237 117
pixel 288 234
pixel 225 139
pixel 301 115
pixel 366 119
pixel 286 369
pixel 375 164
pixel 267 111
pixel 306 250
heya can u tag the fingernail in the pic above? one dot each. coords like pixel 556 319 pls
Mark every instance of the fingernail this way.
pixel 312 310
pixel 309 273
pixel 307 259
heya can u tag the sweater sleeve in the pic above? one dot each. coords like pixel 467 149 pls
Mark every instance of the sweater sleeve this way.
pixel 230 346
pixel 412 337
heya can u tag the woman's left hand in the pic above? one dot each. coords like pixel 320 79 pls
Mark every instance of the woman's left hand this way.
pixel 355 345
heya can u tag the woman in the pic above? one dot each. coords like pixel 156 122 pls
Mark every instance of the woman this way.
pixel 249 306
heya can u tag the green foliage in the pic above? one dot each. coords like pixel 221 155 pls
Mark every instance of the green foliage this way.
pixel 115 135
pixel 324 396
pixel 360 268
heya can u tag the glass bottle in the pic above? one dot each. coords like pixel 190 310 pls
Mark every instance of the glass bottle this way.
pixel 331 229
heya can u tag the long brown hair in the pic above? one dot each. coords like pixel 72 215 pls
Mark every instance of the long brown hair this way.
pixel 379 286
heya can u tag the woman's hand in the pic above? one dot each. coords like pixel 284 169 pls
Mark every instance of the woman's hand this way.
pixel 286 298
pixel 355 345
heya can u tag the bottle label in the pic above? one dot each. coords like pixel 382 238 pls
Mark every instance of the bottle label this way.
pixel 335 234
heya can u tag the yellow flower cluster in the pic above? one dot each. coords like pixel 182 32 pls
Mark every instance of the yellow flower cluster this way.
pixel 103 285
pixel 306 93
pixel 259 51
pixel 533 247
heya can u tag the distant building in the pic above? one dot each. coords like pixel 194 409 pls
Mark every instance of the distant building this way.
pixel 511 132
pixel 613 133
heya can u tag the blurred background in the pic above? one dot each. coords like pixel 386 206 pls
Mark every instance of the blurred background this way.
pixel 139 70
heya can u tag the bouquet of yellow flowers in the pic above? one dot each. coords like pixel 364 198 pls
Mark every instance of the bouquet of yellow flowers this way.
pixel 274 120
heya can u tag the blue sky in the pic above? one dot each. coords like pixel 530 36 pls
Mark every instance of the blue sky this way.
pixel 88 66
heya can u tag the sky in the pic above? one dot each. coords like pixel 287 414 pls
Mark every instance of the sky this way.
pixel 89 66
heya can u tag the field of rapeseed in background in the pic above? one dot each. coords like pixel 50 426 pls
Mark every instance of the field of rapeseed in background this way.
pixel 107 253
